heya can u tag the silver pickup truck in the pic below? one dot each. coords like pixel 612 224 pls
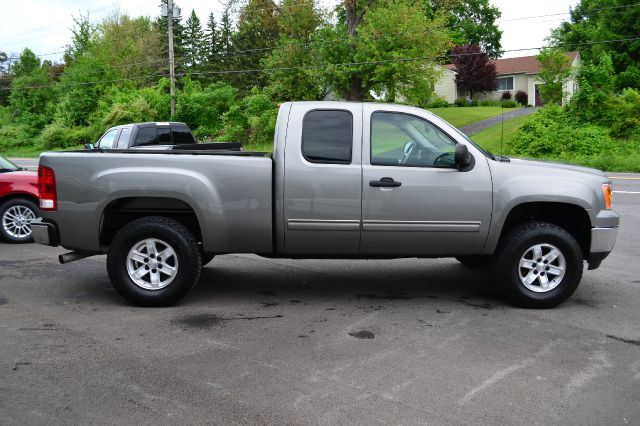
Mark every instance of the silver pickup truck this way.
pixel 346 180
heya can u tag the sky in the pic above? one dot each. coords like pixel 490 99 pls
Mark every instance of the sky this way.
pixel 44 25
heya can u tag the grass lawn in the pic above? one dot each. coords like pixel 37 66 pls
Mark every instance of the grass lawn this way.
pixel 625 158
pixel 33 151
pixel 463 116
pixel 490 138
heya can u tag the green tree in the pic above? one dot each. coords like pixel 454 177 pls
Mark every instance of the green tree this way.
pixel 194 41
pixel 471 22
pixel 212 43
pixel 257 32
pixel 32 92
pixel 555 69
pixel 596 82
pixel 298 21
pixel 393 48
pixel 81 40
pixel 224 60
pixel 131 47
pixel 599 20
pixel 27 64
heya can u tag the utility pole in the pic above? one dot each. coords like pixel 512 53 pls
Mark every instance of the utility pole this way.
pixel 172 75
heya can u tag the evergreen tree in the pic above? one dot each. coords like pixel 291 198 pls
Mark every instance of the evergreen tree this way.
pixel 225 46
pixel 212 43
pixel 194 42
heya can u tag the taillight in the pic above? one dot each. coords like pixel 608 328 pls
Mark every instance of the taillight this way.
pixel 47 188
pixel 606 189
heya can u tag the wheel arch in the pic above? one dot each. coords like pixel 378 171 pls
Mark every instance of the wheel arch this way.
pixel 124 210
pixel 17 195
pixel 571 217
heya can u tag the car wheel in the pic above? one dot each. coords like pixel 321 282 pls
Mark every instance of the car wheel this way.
pixel 154 261
pixel 16 216
pixel 476 262
pixel 539 265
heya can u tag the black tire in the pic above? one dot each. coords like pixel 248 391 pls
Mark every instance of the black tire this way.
pixel 167 232
pixel 517 244
pixel 6 226
pixel 476 262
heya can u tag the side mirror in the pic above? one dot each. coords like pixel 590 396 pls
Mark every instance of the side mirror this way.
pixel 88 146
pixel 463 157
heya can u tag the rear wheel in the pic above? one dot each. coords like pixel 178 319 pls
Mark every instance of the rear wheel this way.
pixel 154 261
pixel 539 265
pixel 16 216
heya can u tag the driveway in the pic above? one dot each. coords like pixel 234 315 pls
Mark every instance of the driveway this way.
pixel 484 124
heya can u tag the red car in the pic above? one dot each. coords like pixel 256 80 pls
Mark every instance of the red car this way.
pixel 18 202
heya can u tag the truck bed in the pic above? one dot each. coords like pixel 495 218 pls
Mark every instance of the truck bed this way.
pixel 230 193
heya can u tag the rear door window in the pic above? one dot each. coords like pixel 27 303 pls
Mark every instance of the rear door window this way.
pixel 123 140
pixel 327 136
pixel 146 136
pixel 181 135
pixel 164 135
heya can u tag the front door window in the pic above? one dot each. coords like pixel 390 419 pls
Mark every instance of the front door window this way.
pixel 405 140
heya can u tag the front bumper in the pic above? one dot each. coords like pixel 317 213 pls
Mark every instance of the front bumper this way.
pixel 602 242
pixel 45 233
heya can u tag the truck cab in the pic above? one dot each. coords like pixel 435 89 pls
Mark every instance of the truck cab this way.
pixel 145 135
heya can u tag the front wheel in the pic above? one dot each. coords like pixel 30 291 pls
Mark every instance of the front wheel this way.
pixel 154 261
pixel 539 265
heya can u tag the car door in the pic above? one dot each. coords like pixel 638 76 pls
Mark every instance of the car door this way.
pixel 414 200
pixel 322 183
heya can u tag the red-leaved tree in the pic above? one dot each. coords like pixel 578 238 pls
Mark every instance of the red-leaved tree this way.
pixel 475 71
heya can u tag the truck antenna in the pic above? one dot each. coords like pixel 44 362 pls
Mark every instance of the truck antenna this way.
pixel 501 126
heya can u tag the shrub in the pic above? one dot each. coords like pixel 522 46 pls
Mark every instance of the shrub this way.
pixel 521 97
pixel 622 114
pixel 460 102
pixel 472 103
pixel 438 102
pixel 550 133
pixel 13 136
pixel 509 103
pixel 506 95
pixel 489 103
pixel 58 136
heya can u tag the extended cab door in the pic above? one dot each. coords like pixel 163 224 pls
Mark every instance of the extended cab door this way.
pixel 322 179
pixel 414 200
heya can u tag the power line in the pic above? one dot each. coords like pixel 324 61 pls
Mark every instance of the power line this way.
pixel 62 31
pixel 523 18
pixel 320 66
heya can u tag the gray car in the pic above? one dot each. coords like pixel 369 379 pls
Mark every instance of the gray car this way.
pixel 346 180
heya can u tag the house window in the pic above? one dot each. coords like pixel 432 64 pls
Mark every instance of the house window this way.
pixel 505 83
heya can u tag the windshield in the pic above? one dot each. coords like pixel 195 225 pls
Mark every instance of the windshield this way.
pixel 7 165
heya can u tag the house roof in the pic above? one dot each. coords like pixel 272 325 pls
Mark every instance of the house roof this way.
pixel 523 64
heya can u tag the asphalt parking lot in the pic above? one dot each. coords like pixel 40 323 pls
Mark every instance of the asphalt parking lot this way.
pixel 258 341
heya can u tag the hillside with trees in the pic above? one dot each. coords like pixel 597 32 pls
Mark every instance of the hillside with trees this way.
pixel 232 70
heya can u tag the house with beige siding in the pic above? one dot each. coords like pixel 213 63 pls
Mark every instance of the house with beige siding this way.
pixel 512 74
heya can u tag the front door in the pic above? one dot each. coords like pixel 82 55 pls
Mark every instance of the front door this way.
pixel 414 200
